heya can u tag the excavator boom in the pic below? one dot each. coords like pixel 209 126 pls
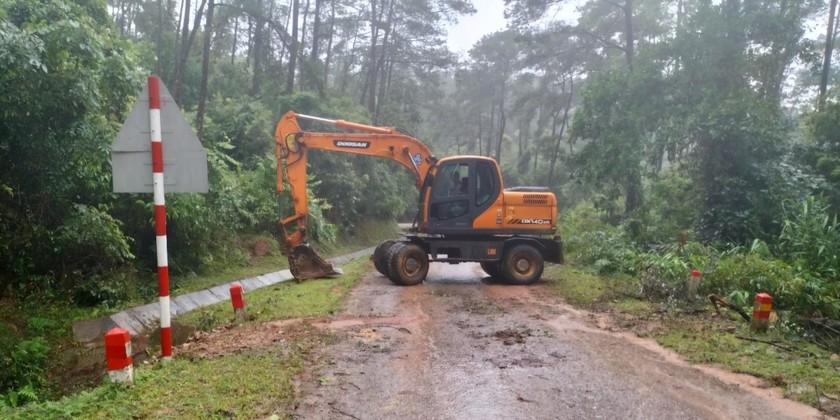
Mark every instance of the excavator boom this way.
pixel 292 146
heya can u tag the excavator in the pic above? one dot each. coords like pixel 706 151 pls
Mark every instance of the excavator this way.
pixel 464 212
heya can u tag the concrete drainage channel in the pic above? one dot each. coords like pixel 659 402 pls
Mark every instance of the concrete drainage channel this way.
pixel 142 319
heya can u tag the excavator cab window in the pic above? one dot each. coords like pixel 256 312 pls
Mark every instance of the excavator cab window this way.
pixel 485 183
pixel 450 192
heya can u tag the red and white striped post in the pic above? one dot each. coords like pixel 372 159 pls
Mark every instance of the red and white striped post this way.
pixel 693 284
pixel 761 312
pixel 118 356
pixel 160 218
pixel 238 302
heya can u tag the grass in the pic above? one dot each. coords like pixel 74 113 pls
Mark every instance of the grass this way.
pixel 584 288
pixel 367 234
pixel 249 385
pixel 802 370
pixel 252 384
pixel 284 300
pixel 52 317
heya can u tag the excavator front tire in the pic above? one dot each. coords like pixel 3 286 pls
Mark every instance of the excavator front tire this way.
pixel 523 264
pixel 379 257
pixel 408 264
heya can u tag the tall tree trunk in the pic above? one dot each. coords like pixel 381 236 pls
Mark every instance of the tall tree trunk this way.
pixel 480 140
pixel 316 31
pixel 567 106
pixel 380 64
pixel 303 26
pixel 182 63
pixel 302 77
pixel 502 119
pixel 629 35
pixel 159 38
pixel 121 6
pixel 492 127
pixel 235 35
pixel 293 49
pixel 829 50
pixel 328 59
pixel 184 24
pixel 257 52
pixel 250 43
pixel 633 193
pixel 347 62
pixel 374 36
pixel 502 122
pixel 384 86
pixel 205 68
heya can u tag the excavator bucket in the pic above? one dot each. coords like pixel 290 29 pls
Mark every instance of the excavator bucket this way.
pixel 305 263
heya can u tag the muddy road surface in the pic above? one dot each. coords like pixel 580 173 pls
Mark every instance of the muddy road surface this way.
pixel 460 347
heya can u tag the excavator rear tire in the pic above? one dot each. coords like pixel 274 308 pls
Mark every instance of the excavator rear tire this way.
pixel 408 264
pixel 523 264
pixel 379 255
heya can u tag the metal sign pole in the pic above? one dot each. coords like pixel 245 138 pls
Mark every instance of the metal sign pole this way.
pixel 160 218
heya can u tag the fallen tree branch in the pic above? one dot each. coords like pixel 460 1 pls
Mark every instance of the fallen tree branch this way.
pixel 717 300
pixel 342 412
pixel 758 340
pixel 823 323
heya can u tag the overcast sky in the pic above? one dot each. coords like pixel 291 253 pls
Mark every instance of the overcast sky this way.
pixel 489 18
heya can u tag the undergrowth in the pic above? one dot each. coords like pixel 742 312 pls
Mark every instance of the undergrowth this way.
pixel 251 384
pixel 34 332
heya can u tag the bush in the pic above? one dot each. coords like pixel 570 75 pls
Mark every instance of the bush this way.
pixel 752 273
pixel 663 275
pixel 22 369
pixel 608 252
pixel 810 238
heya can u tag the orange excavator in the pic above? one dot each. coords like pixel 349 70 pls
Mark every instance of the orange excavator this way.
pixel 465 214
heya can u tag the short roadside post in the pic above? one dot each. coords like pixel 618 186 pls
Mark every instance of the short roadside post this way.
pixel 118 356
pixel 238 302
pixel 693 284
pixel 761 312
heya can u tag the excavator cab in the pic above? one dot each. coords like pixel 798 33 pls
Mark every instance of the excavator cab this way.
pixel 460 190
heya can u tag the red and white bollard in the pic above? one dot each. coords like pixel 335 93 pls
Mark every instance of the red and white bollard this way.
pixel 761 312
pixel 693 284
pixel 118 356
pixel 238 302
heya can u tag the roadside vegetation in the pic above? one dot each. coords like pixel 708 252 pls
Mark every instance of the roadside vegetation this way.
pixel 257 382
pixel 644 286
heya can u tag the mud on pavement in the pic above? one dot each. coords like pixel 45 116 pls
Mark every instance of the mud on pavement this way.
pixel 459 347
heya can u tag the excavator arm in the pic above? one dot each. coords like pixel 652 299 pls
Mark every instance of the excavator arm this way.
pixel 292 147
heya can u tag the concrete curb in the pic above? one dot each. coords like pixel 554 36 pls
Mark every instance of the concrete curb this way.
pixel 144 318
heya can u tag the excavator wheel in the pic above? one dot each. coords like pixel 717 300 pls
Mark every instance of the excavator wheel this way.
pixel 492 269
pixel 379 255
pixel 523 264
pixel 408 264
